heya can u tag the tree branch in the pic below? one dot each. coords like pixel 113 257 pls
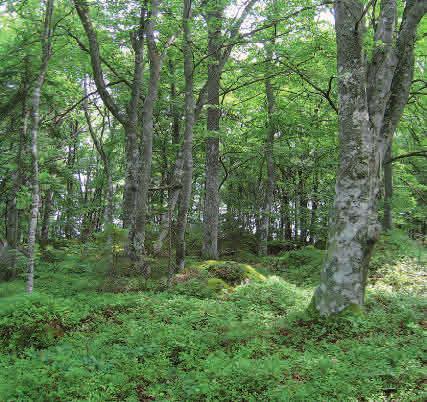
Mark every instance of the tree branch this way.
pixel 422 153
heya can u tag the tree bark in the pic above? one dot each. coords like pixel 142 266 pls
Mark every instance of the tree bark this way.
pixel 388 191
pixel 137 249
pixel 35 120
pixel 131 128
pixel 211 207
pixel 71 158
pixel 185 195
pixel 365 93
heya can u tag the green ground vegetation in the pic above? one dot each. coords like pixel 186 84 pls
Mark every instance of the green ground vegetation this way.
pixel 223 331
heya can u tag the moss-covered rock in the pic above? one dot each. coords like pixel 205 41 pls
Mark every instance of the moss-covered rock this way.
pixel 217 284
pixel 231 272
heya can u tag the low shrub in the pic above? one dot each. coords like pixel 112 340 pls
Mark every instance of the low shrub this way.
pixel 33 321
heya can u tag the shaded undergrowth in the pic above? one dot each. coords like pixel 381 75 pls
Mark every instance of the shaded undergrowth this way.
pixel 73 340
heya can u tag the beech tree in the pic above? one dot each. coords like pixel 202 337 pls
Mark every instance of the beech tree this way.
pixel 373 91
pixel 46 43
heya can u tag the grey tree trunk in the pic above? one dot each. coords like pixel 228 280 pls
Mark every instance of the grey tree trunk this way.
pixel 71 158
pixel 137 249
pixel 211 207
pixel 131 175
pixel 35 119
pixel 131 128
pixel 314 206
pixel 388 191
pixel 303 211
pixel 187 177
pixel 366 95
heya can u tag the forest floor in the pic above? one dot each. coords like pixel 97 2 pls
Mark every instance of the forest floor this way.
pixel 80 337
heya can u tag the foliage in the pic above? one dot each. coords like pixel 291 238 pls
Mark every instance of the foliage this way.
pixel 255 343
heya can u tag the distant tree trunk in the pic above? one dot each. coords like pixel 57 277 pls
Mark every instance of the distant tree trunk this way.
pixel 388 191
pixel 285 213
pixel 269 152
pixel 71 158
pixel 314 206
pixel 211 207
pixel 368 97
pixel 185 196
pixel 302 207
pixel 35 119
pixel 44 235
pixel 295 217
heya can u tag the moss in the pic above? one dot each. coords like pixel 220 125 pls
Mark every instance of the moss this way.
pixel 350 310
pixel 217 284
pixel 231 272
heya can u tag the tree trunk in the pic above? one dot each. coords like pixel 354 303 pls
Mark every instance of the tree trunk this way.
pixel 131 175
pixel 131 128
pixel 302 197
pixel 35 119
pixel 388 191
pixel 137 233
pixel 314 206
pixel 366 96
pixel 185 196
pixel 71 158
pixel 211 207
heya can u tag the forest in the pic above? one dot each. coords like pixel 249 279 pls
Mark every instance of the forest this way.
pixel 213 200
